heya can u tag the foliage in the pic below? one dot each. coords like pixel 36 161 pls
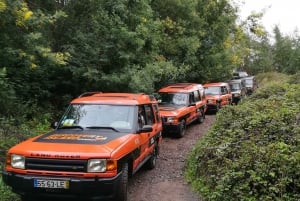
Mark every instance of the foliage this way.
pixel 286 53
pixel 11 133
pixel 6 194
pixel 7 94
pixel 269 78
pixel 249 154
pixel 54 50
pixel 25 52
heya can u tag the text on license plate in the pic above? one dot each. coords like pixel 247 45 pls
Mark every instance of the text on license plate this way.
pixel 43 183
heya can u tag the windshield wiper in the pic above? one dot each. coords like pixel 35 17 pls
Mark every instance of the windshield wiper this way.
pixel 71 127
pixel 103 127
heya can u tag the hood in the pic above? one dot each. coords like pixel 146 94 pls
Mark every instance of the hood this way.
pixel 171 110
pixel 213 96
pixel 72 144
pixel 236 92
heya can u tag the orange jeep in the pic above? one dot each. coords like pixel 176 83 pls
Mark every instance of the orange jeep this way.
pixel 181 104
pixel 217 95
pixel 101 140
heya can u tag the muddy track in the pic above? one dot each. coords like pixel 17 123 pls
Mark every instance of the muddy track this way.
pixel 166 181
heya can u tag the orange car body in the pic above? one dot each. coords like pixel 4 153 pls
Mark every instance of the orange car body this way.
pixel 217 94
pixel 181 104
pixel 88 154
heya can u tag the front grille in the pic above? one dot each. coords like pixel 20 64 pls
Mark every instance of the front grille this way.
pixel 56 165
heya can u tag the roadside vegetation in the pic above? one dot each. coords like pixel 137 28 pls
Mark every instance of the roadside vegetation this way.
pixel 52 51
pixel 252 152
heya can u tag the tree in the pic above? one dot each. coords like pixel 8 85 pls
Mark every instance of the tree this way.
pixel 25 51
pixel 194 36
pixel 286 53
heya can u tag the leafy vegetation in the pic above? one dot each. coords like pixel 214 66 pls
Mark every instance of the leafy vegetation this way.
pixel 252 152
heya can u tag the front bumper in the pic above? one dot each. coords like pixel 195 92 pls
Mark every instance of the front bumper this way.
pixel 87 188
pixel 211 107
pixel 171 128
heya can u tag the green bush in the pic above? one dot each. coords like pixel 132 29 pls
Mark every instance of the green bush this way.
pixel 6 194
pixel 252 152
pixel 12 133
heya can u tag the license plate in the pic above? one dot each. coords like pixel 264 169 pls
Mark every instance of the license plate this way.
pixel 44 183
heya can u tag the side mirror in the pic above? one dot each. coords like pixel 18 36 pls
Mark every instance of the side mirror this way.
pixel 54 125
pixel 145 129
pixel 192 104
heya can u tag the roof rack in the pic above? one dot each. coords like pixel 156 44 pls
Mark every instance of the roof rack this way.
pixel 89 94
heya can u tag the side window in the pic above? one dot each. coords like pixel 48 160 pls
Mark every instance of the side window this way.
pixel 191 98
pixel 141 116
pixel 156 112
pixel 222 90
pixel 228 88
pixel 196 96
pixel 149 115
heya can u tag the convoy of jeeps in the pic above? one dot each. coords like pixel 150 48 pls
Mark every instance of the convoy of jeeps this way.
pixel 105 138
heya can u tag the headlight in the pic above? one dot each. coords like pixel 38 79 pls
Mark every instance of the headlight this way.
pixel 210 101
pixel 170 119
pixel 17 161
pixel 96 165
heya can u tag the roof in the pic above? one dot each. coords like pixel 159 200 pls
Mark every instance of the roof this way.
pixel 249 77
pixel 114 98
pixel 215 84
pixel 235 81
pixel 181 87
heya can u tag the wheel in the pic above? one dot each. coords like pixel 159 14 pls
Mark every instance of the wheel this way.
pixel 182 128
pixel 201 117
pixel 152 161
pixel 218 107
pixel 123 185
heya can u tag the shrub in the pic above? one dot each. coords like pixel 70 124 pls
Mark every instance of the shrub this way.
pixel 252 152
pixel 11 133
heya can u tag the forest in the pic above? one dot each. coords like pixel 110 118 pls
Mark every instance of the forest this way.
pixel 53 50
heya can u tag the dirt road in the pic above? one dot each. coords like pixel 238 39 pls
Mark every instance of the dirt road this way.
pixel 166 182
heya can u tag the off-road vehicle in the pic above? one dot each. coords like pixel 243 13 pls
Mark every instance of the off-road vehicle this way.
pixel 217 95
pixel 238 90
pixel 239 74
pixel 101 140
pixel 251 84
pixel 181 104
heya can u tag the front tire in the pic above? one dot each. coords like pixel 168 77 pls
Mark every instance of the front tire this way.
pixel 123 185
pixel 218 106
pixel 201 117
pixel 182 128
pixel 153 159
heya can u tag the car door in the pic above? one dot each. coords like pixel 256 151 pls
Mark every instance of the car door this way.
pixel 146 139
pixel 193 106
pixel 225 95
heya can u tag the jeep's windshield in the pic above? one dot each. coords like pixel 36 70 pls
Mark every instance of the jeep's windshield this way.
pixel 212 91
pixel 249 82
pixel 95 116
pixel 235 86
pixel 173 98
